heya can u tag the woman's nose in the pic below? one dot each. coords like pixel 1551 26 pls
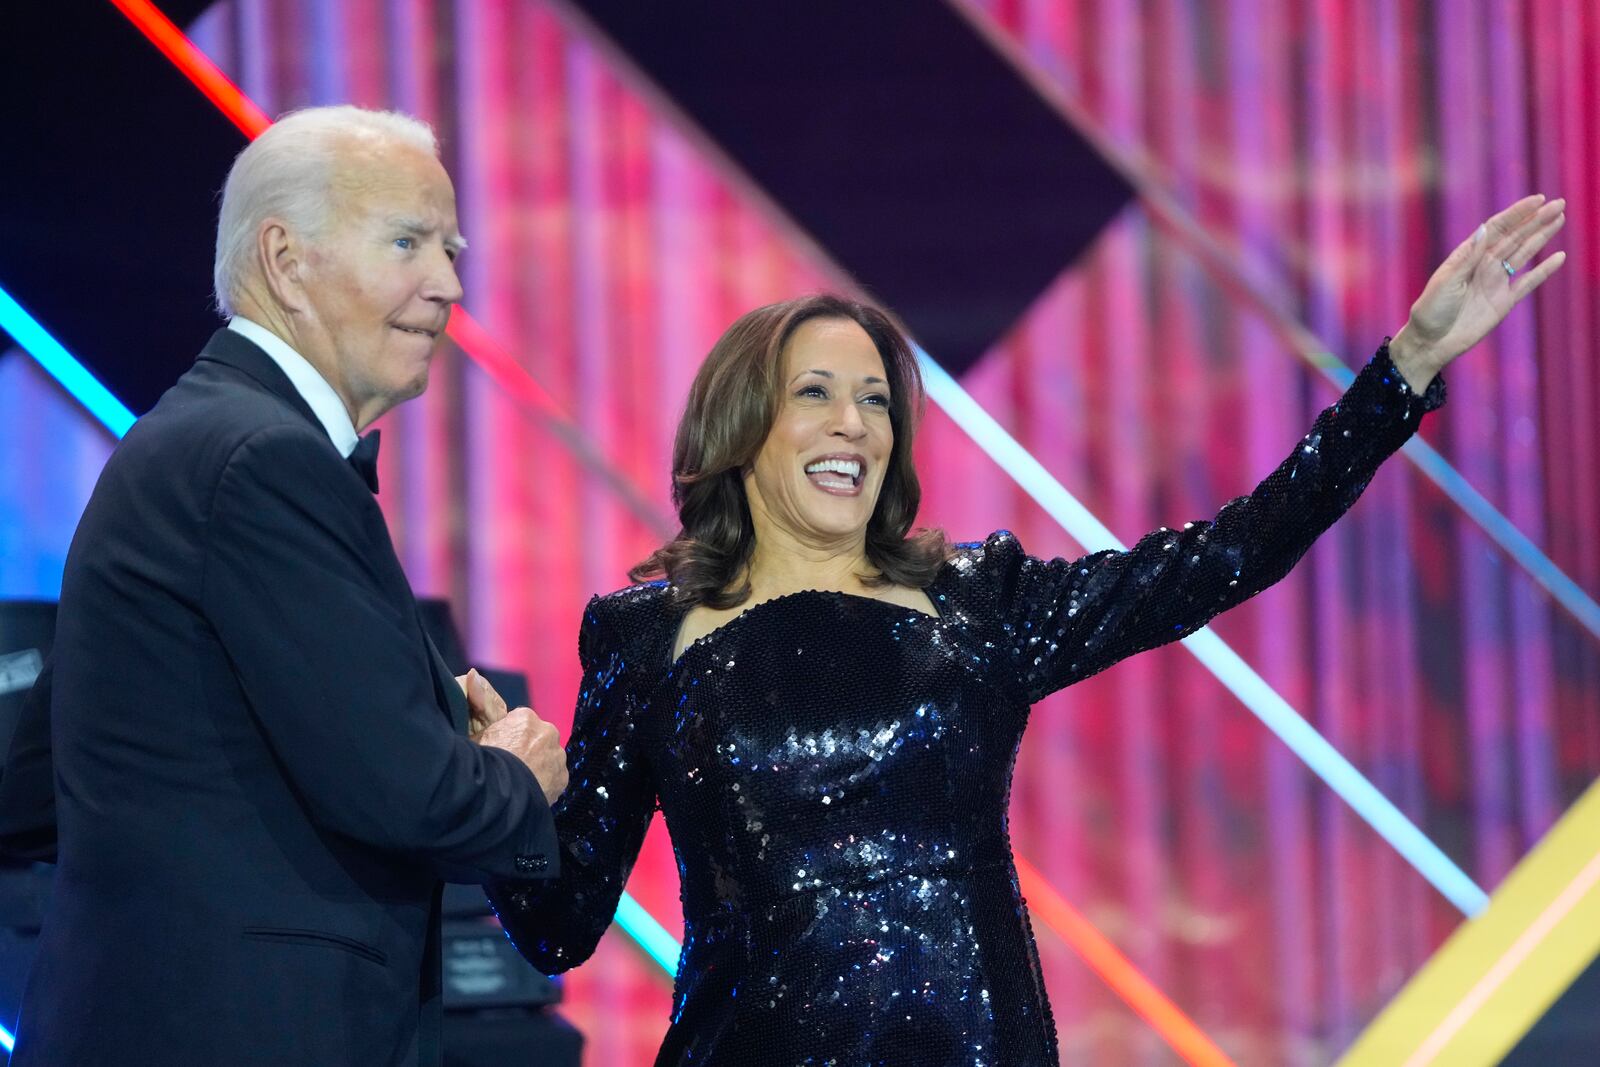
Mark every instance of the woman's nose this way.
pixel 848 422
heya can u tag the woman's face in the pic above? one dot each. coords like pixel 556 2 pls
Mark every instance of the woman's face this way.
pixel 822 465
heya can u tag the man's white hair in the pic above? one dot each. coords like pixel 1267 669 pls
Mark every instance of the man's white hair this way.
pixel 287 173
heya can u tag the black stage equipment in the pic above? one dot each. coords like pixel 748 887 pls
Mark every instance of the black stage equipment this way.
pixel 27 631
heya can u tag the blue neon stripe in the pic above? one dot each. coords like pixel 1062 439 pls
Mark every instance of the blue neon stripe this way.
pixel 651 935
pixel 6 1040
pixel 63 366
pixel 1240 679
pixel 1501 530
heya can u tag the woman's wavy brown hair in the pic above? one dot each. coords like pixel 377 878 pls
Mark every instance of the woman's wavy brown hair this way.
pixel 732 405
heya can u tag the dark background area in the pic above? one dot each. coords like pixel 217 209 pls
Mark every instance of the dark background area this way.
pixel 113 166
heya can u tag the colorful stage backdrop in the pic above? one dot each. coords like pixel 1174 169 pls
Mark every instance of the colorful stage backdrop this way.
pixel 1334 151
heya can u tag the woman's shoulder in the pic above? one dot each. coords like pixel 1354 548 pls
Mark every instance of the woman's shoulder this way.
pixel 969 559
pixel 999 542
pixel 632 619
pixel 976 571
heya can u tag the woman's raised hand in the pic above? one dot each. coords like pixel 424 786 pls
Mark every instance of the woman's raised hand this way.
pixel 1476 286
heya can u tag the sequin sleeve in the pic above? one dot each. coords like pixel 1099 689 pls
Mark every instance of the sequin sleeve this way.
pixel 600 820
pixel 1065 620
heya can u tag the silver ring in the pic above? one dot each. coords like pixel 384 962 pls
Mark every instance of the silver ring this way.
pixel 1511 272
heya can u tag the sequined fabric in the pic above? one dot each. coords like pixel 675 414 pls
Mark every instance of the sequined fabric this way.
pixel 834 772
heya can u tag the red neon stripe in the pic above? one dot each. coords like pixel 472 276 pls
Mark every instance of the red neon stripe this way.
pixel 196 66
pixel 499 364
pixel 1186 1039
pixel 473 339
pixel 1051 908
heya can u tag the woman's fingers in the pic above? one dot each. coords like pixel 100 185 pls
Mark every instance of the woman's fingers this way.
pixel 1534 239
pixel 1525 283
pixel 1502 247
pixel 1507 221
pixel 1502 230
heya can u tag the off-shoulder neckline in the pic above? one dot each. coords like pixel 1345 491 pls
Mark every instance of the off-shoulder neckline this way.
pixel 674 662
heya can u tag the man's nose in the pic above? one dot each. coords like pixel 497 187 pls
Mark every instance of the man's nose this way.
pixel 444 285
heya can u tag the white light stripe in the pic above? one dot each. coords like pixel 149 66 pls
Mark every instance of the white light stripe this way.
pixel 1232 671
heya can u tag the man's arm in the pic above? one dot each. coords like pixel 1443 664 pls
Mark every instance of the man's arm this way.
pixel 337 678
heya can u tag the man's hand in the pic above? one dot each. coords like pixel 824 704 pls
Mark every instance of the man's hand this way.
pixel 533 741
pixel 484 706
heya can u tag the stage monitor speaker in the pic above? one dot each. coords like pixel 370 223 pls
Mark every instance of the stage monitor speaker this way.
pixel 27 631
pixel 482 969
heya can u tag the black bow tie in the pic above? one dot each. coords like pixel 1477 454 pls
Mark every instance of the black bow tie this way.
pixel 365 459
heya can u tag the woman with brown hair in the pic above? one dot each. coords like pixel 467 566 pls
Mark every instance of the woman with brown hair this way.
pixel 827 707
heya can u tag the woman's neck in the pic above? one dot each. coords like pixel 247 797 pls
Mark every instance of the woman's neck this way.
pixel 780 564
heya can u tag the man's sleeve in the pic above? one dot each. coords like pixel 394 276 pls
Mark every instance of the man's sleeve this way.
pixel 337 676
pixel 27 783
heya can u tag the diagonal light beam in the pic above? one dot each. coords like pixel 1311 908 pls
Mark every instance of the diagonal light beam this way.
pixel 1213 653
pixel 1496 978
pixel 513 379
pixel 1168 213
pixel 63 366
pixel 1113 967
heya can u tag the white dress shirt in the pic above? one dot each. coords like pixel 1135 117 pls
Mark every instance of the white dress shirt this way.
pixel 312 386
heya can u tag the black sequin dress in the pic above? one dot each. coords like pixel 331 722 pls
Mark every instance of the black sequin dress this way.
pixel 834 772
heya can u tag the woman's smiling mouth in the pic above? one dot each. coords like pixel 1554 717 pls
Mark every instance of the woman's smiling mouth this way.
pixel 839 474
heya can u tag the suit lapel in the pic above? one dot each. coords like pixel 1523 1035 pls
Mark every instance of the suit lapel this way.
pixel 234 350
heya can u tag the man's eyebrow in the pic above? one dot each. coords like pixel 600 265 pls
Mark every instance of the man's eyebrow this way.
pixel 416 227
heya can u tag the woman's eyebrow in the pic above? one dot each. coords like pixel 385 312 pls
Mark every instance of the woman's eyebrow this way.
pixel 869 380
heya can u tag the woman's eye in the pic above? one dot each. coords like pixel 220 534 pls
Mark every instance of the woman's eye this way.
pixel 877 398
pixel 407 243
pixel 812 390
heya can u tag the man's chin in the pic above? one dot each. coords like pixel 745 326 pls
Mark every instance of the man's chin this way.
pixel 415 388
pixel 399 395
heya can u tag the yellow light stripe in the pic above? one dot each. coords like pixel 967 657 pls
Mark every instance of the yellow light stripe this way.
pixel 1497 974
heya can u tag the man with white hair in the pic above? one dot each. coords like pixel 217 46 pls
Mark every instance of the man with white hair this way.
pixel 247 759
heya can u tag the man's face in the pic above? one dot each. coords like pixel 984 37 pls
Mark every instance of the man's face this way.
pixel 381 278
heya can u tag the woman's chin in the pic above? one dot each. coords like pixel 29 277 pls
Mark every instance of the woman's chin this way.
pixel 834 524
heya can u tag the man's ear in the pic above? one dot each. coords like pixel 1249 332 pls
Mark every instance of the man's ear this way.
pixel 281 255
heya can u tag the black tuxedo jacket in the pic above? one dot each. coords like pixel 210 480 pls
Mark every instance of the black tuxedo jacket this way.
pixel 246 757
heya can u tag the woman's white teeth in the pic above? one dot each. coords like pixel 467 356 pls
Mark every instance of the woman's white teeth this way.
pixel 848 467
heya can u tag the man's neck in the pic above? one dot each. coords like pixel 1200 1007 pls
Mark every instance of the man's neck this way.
pixel 313 388
pixel 282 325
